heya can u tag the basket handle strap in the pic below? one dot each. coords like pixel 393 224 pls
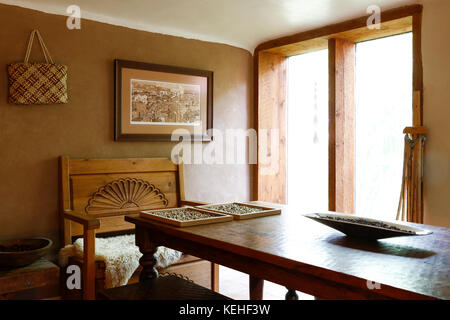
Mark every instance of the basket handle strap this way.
pixel 30 44
pixel 43 46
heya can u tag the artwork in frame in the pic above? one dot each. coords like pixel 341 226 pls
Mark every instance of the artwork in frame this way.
pixel 152 101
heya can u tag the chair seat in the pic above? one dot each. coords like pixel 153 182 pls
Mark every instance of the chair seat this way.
pixel 169 287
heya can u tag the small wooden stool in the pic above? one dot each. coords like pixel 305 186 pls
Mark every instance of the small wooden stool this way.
pixel 168 287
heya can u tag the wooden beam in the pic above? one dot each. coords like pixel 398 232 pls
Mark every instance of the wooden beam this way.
pixel 360 22
pixel 417 70
pixel 255 185
pixel 271 177
pixel 418 113
pixel 387 28
pixel 341 125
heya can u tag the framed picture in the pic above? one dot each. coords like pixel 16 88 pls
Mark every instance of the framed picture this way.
pixel 152 101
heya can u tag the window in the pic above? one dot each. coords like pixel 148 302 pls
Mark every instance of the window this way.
pixel 374 91
pixel 307 131
pixel 383 97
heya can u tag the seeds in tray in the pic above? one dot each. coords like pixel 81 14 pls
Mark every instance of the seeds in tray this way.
pixel 234 208
pixel 183 214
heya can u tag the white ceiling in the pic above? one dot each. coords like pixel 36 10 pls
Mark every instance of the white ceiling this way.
pixel 241 23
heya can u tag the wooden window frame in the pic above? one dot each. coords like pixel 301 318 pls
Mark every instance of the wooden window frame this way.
pixel 270 95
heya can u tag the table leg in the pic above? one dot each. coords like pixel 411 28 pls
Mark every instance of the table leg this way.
pixel 256 286
pixel 214 277
pixel 148 260
pixel 291 295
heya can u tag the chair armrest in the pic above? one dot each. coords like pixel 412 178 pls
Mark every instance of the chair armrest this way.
pixel 88 222
pixel 192 203
pixel 89 226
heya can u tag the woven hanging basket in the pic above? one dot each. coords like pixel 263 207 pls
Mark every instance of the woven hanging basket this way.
pixel 37 83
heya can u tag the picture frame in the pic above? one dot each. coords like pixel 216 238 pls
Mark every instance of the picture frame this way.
pixel 153 100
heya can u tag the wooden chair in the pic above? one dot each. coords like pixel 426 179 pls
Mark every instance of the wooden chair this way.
pixel 96 194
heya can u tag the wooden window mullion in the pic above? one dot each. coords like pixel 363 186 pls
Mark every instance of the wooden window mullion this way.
pixel 271 103
pixel 341 125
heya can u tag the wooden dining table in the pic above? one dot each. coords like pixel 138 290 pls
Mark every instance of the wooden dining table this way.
pixel 301 254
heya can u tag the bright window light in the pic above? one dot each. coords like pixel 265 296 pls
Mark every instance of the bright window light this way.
pixel 307 131
pixel 383 108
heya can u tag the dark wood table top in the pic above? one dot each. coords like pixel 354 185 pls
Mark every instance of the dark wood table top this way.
pixel 419 265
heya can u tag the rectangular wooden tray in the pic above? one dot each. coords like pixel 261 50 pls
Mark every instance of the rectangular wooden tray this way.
pixel 217 217
pixel 265 211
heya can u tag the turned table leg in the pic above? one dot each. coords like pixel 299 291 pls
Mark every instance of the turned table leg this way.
pixel 256 286
pixel 148 260
pixel 291 294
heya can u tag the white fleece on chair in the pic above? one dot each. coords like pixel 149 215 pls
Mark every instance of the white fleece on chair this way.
pixel 121 257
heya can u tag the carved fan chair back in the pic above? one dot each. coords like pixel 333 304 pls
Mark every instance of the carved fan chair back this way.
pixel 95 194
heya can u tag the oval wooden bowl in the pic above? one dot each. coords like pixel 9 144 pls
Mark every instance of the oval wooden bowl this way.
pixel 21 252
